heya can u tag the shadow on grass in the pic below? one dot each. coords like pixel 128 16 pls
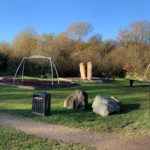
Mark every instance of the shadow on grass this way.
pixel 125 108
pixel 53 111
pixel 58 116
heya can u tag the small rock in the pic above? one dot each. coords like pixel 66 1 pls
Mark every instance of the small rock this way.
pixel 77 100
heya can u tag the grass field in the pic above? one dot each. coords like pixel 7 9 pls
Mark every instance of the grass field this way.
pixel 11 139
pixel 134 116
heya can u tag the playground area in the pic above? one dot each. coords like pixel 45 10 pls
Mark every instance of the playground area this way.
pixel 133 120
pixel 75 75
pixel 130 119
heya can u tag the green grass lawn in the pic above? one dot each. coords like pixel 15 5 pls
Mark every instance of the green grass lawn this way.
pixel 134 116
pixel 11 139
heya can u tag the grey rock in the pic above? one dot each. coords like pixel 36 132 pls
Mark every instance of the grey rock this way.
pixel 105 106
pixel 77 100
pixel 47 75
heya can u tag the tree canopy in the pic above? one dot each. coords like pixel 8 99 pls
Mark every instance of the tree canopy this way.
pixel 78 31
pixel 137 32
pixel 67 49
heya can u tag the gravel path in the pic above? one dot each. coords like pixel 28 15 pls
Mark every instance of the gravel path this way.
pixel 102 141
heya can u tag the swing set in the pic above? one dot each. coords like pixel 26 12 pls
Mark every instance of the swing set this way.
pixel 51 64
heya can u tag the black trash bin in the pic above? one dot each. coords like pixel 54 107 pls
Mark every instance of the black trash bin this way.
pixel 41 103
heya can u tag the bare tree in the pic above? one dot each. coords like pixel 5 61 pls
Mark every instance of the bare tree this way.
pixel 137 32
pixel 78 31
pixel 95 39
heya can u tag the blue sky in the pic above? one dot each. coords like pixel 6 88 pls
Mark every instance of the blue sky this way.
pixel 53 16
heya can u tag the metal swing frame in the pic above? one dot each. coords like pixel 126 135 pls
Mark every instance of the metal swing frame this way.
pixel 22 63
pixel 146 72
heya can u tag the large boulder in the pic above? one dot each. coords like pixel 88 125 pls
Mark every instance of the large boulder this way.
pixel 77 100
pixel 105 106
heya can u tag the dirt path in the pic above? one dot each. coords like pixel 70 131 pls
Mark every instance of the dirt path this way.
pixel 101 141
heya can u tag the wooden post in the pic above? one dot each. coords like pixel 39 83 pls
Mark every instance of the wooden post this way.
pixel 82 71
pixel 89 70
